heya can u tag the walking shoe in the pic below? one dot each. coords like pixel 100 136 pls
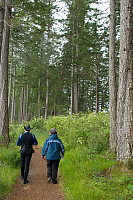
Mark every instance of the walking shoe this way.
pixel 25 182
pixel 49 179
pixel 54 182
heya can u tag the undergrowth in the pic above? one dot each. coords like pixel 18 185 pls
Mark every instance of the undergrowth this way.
pixel 95 177
pixel 9 168
pixel 89 171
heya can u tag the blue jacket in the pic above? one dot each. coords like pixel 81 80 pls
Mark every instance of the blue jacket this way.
pixel 52 148
pixel 19 141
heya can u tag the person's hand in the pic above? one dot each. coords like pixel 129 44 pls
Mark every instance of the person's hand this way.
pixel 42 157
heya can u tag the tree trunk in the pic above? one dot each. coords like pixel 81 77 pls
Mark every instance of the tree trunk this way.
pixel 4 114
pixel 76 76
pixel 71 107
pixel 75 92
pixel 21 113
pixel 112 78
pixel 47 95
pixel 39 98
pixel 125 95
pixel 97 95
pixel 26 104
pixel 2 5
pixel 48 60
pixel 13 98
pixel 102 100
pixel 39 83
pixel 10 83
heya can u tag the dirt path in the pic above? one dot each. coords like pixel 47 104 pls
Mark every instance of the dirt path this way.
pixel 38 188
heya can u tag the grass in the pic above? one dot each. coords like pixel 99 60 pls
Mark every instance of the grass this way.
pixel 98 177
pixel 9 168
pixel 89 171
pixel 8 177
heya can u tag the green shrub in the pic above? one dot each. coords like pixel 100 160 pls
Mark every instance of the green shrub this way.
pixel 37 123
pixel 9 168
pixel 15 131
pixel 8 176
pixel 10 156
pixel 90 130
pixel 88 171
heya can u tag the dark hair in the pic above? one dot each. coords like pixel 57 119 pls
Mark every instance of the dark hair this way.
pixel 53 131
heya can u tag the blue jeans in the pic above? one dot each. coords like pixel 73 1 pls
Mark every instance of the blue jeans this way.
pixel 52 169
pixel 25 163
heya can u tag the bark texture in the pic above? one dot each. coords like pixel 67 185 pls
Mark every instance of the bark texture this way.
pixel 112 78
pixel 13 98
pixel 125 97
pixel 39 98
pixel 97 92
pixel 76 109
pixel 4 115
pixel 2 3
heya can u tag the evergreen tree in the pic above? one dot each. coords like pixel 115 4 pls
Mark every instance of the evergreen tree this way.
pixel 4 50
pixel 89 60
pixel 125 90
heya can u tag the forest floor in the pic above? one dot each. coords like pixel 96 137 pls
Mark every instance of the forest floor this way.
pixel 38 188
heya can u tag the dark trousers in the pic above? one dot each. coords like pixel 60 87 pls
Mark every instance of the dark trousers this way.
pixel 52 169
pixel 25 163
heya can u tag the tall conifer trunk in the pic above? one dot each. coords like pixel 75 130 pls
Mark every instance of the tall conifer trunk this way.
pixel 39 98
pixel 76 110
pixel 125 92
pixel 72 88
pixel 97 92
pixel 10 82
pixel 13 98
pixel 71 107
pixel 26 103
pixel 47 95
pixel 47 81
pixel 2 4
pixel 21 116
pixel 112 78
pixel 4 50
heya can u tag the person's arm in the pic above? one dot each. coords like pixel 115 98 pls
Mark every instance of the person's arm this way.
pixel 19 141
pixel 35 140
pixel 62 148
pixel 44 149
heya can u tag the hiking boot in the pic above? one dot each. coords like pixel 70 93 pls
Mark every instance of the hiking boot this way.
pixel 49 179
pixel 54 182
pixel 25 182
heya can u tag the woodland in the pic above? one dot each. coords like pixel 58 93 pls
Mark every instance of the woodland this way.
pixel 70 59
pixel 55 71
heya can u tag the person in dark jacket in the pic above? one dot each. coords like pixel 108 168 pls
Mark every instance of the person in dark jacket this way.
pixel 53 148
pixel 26 141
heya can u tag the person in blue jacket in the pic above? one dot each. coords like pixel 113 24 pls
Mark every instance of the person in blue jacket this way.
pixel 26 141
pixel 53 148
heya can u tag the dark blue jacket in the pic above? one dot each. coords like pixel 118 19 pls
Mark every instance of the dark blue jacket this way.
pixel 52 148
pixel 19 141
